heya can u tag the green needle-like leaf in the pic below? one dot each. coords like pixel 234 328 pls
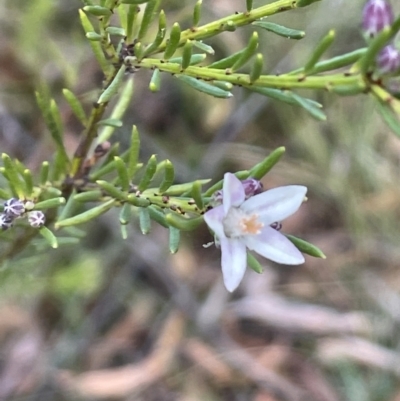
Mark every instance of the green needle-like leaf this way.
pixel 144 220
pixel 205 87
pixel 169 175
pixel 253 263
pixel 280 30
pixel 174 238
pixel 320 49
pixel 262 168
pixel 86 216
pixel 148 15
pixel 306 247
pixel 148 175
pixel 75 105
pixel 173 41
pixel 48 236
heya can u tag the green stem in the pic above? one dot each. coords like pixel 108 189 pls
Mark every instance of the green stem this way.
pixel 236 20
pixel 90 132
pixel 328 82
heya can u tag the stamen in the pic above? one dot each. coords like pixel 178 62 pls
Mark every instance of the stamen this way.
pixel 250 225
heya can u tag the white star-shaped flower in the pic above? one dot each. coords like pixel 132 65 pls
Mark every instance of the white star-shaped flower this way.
pixel 239 224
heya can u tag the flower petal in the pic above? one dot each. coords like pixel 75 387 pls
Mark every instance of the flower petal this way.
pixel 233 192
pixel 274 246
pixel 234 262
pixel 276 204
pixel 213 219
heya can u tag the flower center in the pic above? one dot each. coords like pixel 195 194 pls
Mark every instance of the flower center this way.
pixel 237 223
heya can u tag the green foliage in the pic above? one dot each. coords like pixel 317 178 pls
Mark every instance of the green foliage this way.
pixel 118 35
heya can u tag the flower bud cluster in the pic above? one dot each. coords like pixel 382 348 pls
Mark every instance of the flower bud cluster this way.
pixel 378 15
pixel 14 208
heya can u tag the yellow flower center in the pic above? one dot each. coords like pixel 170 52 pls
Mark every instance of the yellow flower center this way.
pixel 237 223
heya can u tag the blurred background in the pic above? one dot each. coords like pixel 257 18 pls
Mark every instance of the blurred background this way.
pixel 107 319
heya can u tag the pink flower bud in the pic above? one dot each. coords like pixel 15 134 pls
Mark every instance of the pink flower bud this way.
pixel 388 60
pixel 252 187
pixel 377 14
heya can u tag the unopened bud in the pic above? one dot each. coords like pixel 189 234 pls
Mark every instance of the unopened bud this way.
pixel 36 218
pixel 252 187
pixel 14 207
pixel 6 221
pixel 388 61
pixel 377 14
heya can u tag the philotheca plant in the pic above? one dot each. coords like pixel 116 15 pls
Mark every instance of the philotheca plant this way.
pixel 239 215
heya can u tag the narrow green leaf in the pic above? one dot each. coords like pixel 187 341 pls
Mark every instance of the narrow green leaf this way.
pixel 125 214
pixel 98 11
pixel 148 175
pixel 187 54
pixel 262 168
pixel 134 150
pixel 179 189
pixel 374 48
pixel 93 36
pixel 124 231
pixel 148 15
pixel 131 16
pixel 48 236
pixel 319 50
pixel 112 190
pixel 173 41
pixel 306 247
pixel 118 111
pixel 69 209
pixel 116 31
pixel 227 62
pixel 203 47
pixel 280 30
pixel 86 216
pixel 111 122
pixel 162 30
pixel 183 223
pixel 257 67
pixel 89 196
pixel 96 46
pixel 114 86
pixel 304 3
pixel 194 59
pixel 314 111
pixel 139 50
pixel 122 173
pixel 76 106
pixel 389 117
pixel 204 87
pixel 197 195
pixel 4 194
pixel 174 238
pixel 157 215
pixel 197 12
pixel 44 173
pixel 334 62
pixel 144 220
pixel 49 203
pixel 169 175
pixel 253 263
pixel 249 5
pixel 27 175
pixel 15 183
pixel 248 52
pixel 155 81
pixel 226 86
